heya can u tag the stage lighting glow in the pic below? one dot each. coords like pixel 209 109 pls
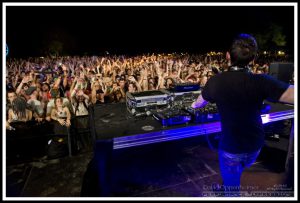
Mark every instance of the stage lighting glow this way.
pixel 265 118
pixel 188 131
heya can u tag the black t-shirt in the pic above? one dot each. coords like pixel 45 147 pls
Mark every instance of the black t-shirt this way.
pixel 239 96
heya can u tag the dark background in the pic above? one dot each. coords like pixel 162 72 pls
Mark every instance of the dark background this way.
pixel 92 30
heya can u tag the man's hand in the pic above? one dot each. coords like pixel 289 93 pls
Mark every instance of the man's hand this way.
pixel 288 95
pixel 199 103
pixel 194 106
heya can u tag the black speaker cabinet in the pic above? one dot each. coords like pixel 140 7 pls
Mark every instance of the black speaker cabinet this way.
pixel 282 71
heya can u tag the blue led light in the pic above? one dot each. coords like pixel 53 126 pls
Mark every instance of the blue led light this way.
pixel 188 131
pixel 243 35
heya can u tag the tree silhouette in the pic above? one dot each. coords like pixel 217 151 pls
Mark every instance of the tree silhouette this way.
pixel 278 37
pixel 57 42
pixel 272 38
pixel 55 48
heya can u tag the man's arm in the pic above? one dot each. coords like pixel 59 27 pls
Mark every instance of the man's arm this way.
pixel 288 95
pixel 199 103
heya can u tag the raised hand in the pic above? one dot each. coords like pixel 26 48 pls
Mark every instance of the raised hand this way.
pixel 25 79
pixel 81 75
pixel 80 93
pixel 64 67
pixel 131 78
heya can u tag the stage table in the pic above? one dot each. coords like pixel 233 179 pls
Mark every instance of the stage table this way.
pixel 113 127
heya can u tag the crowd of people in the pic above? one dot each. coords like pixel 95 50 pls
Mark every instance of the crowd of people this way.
pixel 58 89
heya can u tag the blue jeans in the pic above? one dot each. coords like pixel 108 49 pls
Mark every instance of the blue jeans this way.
pixel 231 168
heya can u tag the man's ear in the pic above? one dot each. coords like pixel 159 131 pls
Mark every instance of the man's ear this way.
pixel 227 56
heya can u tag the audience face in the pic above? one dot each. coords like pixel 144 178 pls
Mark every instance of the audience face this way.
pixel 115 85
pixel 11 96
pixel 58 102
pixel 118 95
pixel 38 85
pixel 25 87
pixel 97 86
pixel 45 88
pixel 151 86
pixel 169 82
pixel 122 84
pixel 109 84
pixel 100 97
pixel 69 82
pixel 131 88
pixel 49 76
pixel 80 98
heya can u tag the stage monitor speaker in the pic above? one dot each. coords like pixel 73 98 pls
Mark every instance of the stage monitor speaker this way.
pixel 282 71
pixel 109 120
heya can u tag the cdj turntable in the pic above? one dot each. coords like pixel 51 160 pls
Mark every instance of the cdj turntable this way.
pixel 172 116
pixel 184 99
pixel 143 101
pixel 209 113
pixel 186 87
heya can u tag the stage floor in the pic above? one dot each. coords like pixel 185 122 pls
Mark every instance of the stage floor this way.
pixel 181 168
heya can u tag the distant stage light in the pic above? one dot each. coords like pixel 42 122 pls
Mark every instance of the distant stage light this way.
pixel 7 50
pixel 281 53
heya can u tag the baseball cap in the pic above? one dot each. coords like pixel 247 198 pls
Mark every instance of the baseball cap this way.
pixel 30 90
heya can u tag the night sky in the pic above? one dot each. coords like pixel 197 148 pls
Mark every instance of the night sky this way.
pixel 123 29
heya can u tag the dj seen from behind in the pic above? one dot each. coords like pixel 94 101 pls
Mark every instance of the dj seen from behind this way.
pixel 239 95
